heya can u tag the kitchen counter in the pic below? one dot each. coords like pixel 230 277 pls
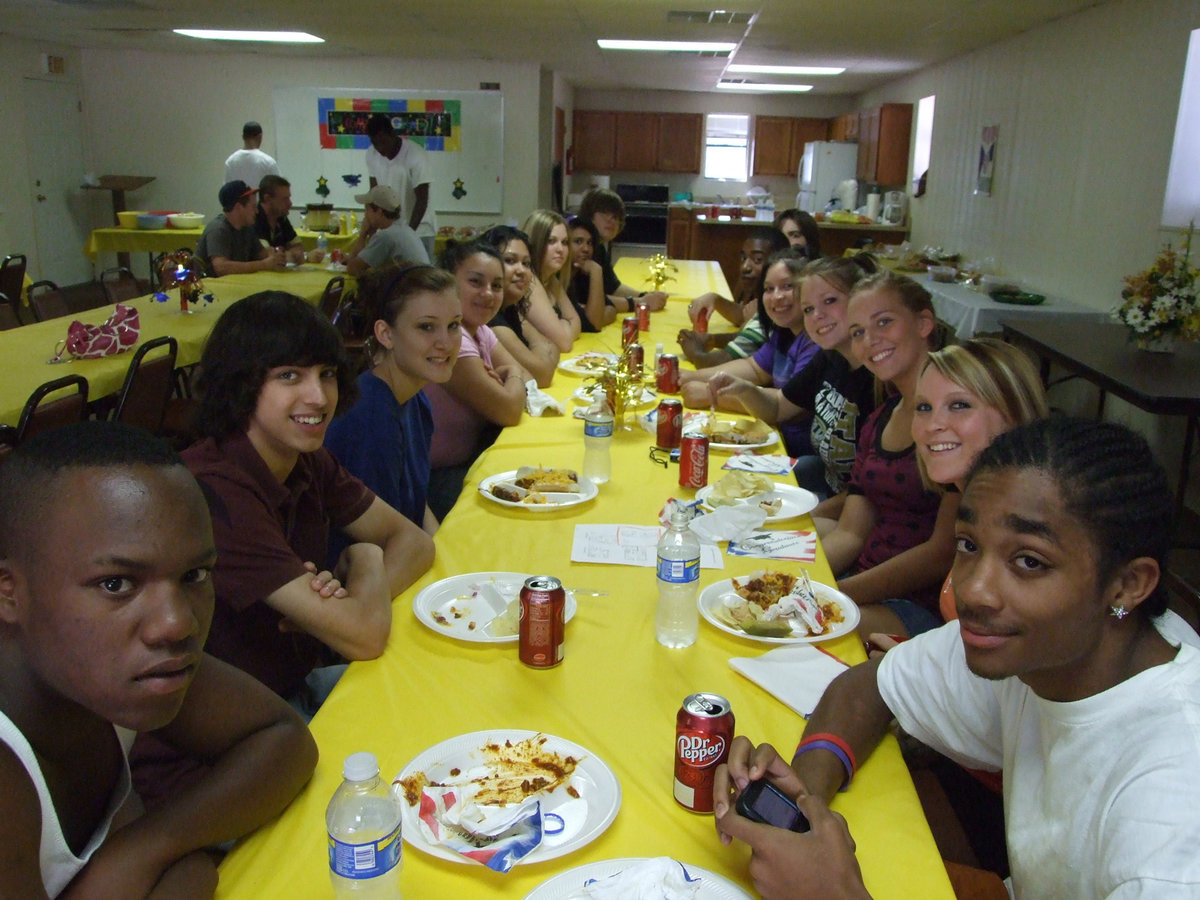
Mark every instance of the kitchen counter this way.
pixel 691 236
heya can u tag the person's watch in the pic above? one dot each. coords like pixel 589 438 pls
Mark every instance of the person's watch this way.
pixel 630 299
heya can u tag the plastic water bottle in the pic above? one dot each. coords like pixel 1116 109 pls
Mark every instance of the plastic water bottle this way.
pixel 363 823
pixel 322 242
pixel 677 620
pixel 597 445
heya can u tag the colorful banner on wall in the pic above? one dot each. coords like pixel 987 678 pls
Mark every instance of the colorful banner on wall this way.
pixel 435 125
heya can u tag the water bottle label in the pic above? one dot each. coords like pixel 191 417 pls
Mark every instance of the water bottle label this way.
pixel 368 860
pixel 598 429
pixel 679 571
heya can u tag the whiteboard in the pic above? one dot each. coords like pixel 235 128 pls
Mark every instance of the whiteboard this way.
pixel 320 133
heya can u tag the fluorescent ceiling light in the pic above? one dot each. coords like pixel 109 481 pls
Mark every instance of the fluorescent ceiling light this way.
pixel 281 37
pixel 751 86
pixel 667 46
pixel 787 70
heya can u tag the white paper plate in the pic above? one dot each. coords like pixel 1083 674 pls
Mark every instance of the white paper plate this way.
pixel 585 817
pixel 574 366
pixel 436 600
pixel 587 394
pixel 587 491
pixel 710 600
pixel 796 501
pixel 564 884
pixel 769 441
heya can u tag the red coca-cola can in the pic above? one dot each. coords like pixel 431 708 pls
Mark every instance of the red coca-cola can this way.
pixel 636 354
pixel 541 626
pixel 666 376
pixel 703 733
pixel 670 422
pixel 335 256
pixel 629 330
pixel 643 317
pixel 693 460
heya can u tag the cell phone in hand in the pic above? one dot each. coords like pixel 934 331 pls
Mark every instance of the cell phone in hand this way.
pixel 762 802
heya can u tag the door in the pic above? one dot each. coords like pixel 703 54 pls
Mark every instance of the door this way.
pixel 61 213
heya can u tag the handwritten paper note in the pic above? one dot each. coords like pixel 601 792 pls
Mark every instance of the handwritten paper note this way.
pixel 767 463
pixel 797 545
pixel 629 545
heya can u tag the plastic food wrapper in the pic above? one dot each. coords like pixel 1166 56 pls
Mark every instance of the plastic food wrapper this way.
pixel 662 878
pixel 494 836
pixel 539 403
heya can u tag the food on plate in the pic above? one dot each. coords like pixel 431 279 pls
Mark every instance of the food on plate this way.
pixel 777 604
pixel 539 479
pixel 507 773
pixel 592 361
pixel 505 624
pixel 738 485
pixel 742 432
pixel 772 506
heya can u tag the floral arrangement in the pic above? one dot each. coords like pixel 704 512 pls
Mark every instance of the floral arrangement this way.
pixel 1162 301
pixel 658 265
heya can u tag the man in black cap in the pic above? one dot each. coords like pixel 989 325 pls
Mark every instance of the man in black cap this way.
pixel 230 244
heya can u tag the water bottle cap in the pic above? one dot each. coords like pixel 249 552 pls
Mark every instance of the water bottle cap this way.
pixel 361 766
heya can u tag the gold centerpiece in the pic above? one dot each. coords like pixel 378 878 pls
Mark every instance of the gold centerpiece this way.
pixel 184 270
pixel 658 266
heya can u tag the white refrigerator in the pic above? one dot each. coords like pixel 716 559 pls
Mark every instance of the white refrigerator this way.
pixel 824 166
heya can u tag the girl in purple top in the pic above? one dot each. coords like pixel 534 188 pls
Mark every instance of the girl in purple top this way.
pixel 894 539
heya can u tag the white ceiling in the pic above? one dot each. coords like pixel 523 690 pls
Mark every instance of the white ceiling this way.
pixel 876 40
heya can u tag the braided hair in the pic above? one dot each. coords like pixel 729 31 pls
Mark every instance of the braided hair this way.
pixel 1109 481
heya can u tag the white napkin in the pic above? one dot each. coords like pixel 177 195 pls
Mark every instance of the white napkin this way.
pixel 538 402
pixel 729 523
pixel 651 879
pixel 796 674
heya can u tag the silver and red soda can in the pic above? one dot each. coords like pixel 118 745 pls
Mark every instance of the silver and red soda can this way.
pixel 702 321
pixel 670 422
pixel 541 626
pixel 703 733
pixel 335 256
pixel 629 331
pixel 693 460
pixel 643 317
pixel 636 354
pixel 666 375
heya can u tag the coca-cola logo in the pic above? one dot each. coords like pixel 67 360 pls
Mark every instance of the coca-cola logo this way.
pixel 698 453
pixel 700 750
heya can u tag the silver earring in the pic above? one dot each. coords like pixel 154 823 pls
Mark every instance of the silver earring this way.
pixel 1118 612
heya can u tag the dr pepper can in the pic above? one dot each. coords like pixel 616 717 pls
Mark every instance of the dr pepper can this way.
pixel 629 331
pixel 703 733
pixel 670 422
pixel 541 627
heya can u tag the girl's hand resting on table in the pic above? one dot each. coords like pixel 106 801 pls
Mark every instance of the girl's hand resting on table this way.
pixel 730 387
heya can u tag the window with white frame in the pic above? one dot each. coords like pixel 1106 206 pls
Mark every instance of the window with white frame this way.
pixel 1181 204
pixel 726 147
pixel 924 139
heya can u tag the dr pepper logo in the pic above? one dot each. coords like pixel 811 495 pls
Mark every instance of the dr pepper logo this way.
pixel 700 750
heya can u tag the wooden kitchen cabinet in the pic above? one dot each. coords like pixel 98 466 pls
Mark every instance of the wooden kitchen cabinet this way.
pixel 680 142
pixel 637 142
pixel 779 142
pixel 844 128
pixel 884 135
pixel 679 232
pixel 594 139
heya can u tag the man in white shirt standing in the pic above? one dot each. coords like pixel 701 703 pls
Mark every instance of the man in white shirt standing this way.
pixel 403 166
pixel 250 164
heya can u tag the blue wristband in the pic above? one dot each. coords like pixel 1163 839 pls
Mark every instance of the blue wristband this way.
pixel 833 748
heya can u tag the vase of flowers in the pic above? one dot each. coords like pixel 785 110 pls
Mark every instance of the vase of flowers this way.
pixel 1160 306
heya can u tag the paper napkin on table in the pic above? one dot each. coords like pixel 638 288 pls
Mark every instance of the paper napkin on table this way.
pixel 728 523
pixel 539 403
pixel 651 879
pixel 796 674
pixel 767 464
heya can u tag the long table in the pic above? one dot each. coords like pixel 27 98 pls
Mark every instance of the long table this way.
pixel 616 693
pixel 972 312
pixel 27 350
pixel 164 240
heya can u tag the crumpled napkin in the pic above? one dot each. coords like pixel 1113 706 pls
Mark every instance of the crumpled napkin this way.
pixel 494 836
pixel 728 523
pixel 538 402
pixel 796 674
pixel 662 878
pixel 767 464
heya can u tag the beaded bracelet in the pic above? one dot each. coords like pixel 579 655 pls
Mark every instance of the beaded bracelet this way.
pixel 834 745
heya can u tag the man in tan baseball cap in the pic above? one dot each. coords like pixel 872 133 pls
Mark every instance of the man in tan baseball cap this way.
pixel 382 236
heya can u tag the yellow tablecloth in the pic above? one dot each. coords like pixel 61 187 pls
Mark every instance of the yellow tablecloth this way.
pixel 26 350
pixel 616 692
pixel 162 240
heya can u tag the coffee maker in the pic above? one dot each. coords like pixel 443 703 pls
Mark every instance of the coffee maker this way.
pixel 894 205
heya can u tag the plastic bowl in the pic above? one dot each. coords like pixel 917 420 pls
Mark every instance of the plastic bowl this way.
pixel 151 222
pixel 943 274
pixel 129 218
pixel 186 220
